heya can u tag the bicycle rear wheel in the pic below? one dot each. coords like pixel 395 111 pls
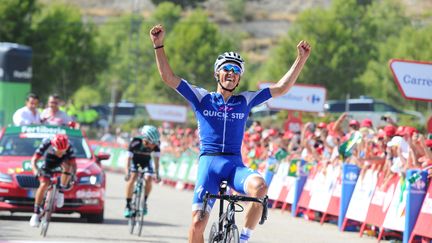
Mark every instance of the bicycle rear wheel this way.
pixel 140 215
pixel 213 236
pixel 232 235
pixel 48 210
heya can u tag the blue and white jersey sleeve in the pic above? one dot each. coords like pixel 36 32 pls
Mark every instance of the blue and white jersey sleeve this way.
pixel 191 93
pixel 254 98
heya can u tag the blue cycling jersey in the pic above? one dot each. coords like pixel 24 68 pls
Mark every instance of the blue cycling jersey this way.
pixel 221 124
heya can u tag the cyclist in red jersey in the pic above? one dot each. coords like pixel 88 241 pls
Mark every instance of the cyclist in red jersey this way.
pixel 58 151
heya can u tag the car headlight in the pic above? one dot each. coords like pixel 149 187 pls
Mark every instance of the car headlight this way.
pixel 90 180
pixel 5 178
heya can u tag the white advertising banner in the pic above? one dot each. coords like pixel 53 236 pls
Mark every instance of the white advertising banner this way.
pixel 362 196
pixel 299 98
pixel 413 78
pixel 170 113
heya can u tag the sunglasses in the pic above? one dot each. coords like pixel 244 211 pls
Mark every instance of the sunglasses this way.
pixel 231 67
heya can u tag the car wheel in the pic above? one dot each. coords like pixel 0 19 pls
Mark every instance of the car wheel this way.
pixel 94 218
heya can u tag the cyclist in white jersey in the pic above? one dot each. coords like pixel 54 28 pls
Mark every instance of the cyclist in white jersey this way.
pixel 221 119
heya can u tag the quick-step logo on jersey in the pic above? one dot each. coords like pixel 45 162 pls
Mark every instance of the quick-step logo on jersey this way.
pixel 221 123
pixel 223 113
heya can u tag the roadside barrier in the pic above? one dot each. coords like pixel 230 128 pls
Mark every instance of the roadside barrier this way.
pixel 394 205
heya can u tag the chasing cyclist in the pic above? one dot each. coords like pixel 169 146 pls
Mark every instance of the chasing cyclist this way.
pixel 141 149
pixel 57 152
pixel 221 119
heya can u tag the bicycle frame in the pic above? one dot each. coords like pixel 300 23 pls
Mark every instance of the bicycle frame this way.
pixel 49 199
pixel 138 203
pixel 228 217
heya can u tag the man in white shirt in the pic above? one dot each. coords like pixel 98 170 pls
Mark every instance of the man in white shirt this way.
pixel 53 115
pixel 28 114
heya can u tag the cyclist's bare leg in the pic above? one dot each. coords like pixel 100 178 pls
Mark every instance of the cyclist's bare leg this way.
pixel 256 187
pixel 40 192
pixel 196 230
pixel 130 184
pixel 67 168
pixel 148 185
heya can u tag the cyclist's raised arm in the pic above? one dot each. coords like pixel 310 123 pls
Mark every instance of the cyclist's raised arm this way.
pixel 289 79
pixel 157 34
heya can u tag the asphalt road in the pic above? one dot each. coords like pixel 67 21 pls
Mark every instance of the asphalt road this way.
pixel 168 221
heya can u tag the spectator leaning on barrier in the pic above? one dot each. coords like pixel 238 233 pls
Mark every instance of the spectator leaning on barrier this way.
pixel 52 115
pixel 28 114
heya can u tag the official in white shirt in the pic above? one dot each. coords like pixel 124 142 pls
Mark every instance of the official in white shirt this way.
pixel 28 114
pixel 52 115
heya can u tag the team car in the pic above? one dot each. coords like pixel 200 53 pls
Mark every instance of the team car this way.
pixel 18 184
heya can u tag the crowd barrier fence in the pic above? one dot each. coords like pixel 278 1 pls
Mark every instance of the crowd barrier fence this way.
pixel 343 192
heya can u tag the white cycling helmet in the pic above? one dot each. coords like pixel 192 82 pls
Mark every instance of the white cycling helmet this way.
pixel 229 57
pixel 150 133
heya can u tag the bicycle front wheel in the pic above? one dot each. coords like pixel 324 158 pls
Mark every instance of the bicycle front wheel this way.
pixel 142 210
pixel 232 234
pixel 48 210
pixel 213 236
pixel 134 206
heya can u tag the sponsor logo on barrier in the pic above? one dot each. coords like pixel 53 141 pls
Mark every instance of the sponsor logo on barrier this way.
pixel 419 187
pixel 87 194
pixel 351 176
pixel 427 205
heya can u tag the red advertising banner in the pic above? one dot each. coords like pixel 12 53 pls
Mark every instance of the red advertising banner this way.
pixel 381 201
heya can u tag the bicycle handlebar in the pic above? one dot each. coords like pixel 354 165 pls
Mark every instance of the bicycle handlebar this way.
pixel 237 198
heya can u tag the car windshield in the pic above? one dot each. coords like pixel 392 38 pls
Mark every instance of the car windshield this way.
pixel 14 145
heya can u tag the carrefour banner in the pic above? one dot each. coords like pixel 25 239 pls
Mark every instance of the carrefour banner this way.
pixel 299 98
pixel 350 175
pixel 169 113
pixel 414 78
pixel 417 185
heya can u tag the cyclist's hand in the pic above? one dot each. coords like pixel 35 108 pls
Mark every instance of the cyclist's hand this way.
pixel 303 49
pixel 157 34
pixel 157 178
pixel 127 176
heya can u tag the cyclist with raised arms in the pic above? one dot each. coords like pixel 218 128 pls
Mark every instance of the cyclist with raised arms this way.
pixel 57 152
pixel 221 119
pixel 141 149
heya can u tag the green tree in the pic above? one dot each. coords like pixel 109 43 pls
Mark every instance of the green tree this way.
pixel 412 44
pixel 16 20
pixel 344 38
pixel 166 13
pixel 132 71
pixel 65 53
pixel 86 95
pixel 192 47
pixel 117 34
pixel 236 9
